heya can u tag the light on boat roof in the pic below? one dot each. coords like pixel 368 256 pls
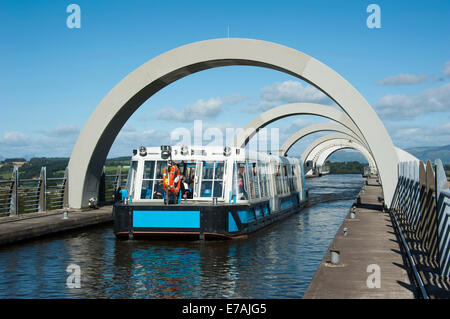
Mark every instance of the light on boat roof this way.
pixel 227 151
pixel 165 151
pixel 142 151
pixel 184 150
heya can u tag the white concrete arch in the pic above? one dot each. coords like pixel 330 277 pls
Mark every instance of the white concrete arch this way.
pixel 319 146
pixel 101 129
pixel 330 150
pixel 287 110
pixel 333 146
pixel 294 138
pixel 313 148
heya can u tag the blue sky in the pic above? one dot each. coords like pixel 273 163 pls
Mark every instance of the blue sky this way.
pixel 54 77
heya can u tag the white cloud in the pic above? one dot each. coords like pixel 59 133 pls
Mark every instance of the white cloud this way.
pixel 404 79
pixel 288 92
pixel 62 131
pixel 199 110
pixel 404 107
pixel 446 69
pixel 136 138
pixel 413 136
pixel 14 138
pixel 295 126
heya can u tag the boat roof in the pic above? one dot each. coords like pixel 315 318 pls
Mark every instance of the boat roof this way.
pixel 210 153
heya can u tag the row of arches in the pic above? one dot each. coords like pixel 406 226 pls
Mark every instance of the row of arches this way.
pixel 101 129
pixel 348 136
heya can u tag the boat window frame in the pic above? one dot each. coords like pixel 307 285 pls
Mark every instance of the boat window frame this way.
pixel 213 180
pixel 131 179
pixel 154 180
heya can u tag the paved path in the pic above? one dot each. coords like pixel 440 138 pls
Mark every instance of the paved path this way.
pixel 29 226
pixel 370 240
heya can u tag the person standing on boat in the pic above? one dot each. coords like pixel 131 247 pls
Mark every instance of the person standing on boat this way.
pixel 183 187
pixel 171 182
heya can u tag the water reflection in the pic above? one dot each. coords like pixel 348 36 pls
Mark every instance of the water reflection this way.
pixel 278 262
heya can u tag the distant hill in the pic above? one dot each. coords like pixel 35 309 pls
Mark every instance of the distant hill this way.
pixel 431 153
pixel 423 153
pixel 347 156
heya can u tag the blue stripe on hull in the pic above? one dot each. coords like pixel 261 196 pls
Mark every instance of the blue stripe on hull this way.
pixel 166 218
pixel 246 216
pixel 232 227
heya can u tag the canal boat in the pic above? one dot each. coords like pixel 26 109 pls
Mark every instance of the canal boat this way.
pixel 206 192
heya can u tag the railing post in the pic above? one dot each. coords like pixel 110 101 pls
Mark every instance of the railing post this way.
pixel 14 204
pixel 43 190
pixel 102 189
pixel 118 178
pixel 66 188
pixel 443 214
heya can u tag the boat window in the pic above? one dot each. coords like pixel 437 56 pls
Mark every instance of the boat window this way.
pixel 152 187
pixel 147 189
pixel 262 179
pixel 160 166
pixel 250 182
pixel 147 180
pixel 212 179
pixel 187 169
pixel 208 170
pixel 149 169
pixel 278 180
pixel 239 189
pixel 256 180
pixel 131 179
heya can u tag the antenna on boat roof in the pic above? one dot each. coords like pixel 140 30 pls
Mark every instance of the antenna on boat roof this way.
pixel 228 31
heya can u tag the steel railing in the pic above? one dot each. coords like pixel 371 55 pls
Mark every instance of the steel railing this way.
pixel 22 196
pixel 421 211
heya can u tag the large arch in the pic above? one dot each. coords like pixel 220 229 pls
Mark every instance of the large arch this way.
pixel 331 141
pixel 287 110
pixel 294 138
pixel 327 152
pixel 102 127
pixel 339 136
pixel 329 147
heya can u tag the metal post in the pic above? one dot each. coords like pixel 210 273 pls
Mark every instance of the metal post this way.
pixel 335 257
pixel 118 178
pixel 66 188
pixel 101 189
pixel 14 204
pixel 42 190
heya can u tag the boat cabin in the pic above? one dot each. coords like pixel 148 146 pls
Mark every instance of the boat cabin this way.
pixel 213 174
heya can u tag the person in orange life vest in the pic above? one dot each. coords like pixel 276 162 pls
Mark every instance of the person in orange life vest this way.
pixel 171 179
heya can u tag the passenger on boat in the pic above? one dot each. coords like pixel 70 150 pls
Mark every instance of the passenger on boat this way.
pixel 159 190
pixel 241 189
pixel 184 189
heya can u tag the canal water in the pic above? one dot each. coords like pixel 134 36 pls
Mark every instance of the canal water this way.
pixel 278 262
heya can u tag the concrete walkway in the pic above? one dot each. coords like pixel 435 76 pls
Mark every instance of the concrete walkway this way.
pixel 370 240
pixel 30 226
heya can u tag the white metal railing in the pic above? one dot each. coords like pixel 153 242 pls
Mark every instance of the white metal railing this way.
pixel 22 196
pixel 421 204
